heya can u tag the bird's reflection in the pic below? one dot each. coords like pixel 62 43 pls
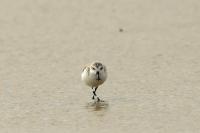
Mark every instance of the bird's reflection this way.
pixel 98 106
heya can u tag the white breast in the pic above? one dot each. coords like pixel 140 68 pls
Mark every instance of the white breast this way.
pixel 90 79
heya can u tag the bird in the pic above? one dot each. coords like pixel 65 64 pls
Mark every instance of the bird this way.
pixel 94 75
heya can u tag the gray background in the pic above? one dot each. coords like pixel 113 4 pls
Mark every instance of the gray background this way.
pixel 153 65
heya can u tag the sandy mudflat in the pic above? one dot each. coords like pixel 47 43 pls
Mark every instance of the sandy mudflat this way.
pixel 151 49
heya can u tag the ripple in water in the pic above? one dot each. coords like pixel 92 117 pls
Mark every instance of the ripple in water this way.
pixel 97 106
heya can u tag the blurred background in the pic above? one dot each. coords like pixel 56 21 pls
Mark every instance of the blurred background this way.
pixel 151 50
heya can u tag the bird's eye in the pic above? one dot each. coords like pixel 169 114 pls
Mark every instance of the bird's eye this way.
pixel 101 68
pixel 93 68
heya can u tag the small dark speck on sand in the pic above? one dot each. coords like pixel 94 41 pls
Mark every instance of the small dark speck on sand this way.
pixel 121 30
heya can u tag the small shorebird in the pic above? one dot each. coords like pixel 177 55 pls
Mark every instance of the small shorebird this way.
pixel 94 75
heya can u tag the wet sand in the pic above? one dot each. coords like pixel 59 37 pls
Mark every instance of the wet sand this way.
pixel 151 49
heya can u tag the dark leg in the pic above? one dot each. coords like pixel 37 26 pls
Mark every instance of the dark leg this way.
pixel 94 94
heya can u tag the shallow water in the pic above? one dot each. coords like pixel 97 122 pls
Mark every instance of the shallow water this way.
pixel 151 50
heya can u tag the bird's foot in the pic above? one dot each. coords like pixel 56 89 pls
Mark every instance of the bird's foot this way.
pixel 93 97
pixel 98 99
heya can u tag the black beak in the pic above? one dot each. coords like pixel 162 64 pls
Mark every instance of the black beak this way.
pixel 98 78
